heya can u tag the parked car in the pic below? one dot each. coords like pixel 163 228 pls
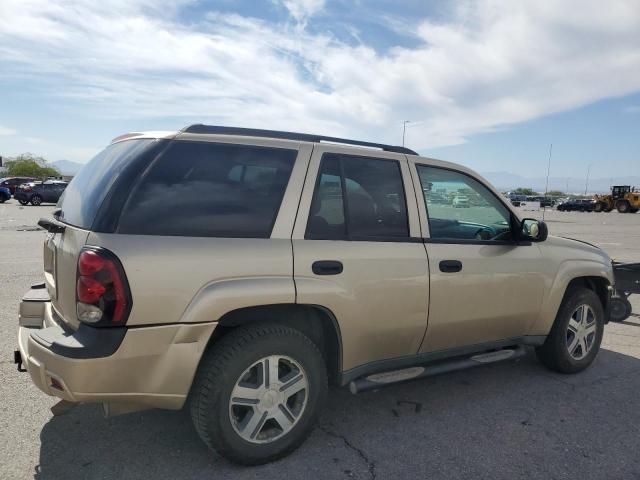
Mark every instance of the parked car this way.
pixel 248 269
pixel 12 183
pixel 461 201
pixel 5 194
pixel 545 201
pixel 40 192
pixel 578 205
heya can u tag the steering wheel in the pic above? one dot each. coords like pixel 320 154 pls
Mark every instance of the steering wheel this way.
pixel 485 233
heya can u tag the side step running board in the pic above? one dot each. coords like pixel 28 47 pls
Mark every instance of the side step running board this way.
pixel 379 380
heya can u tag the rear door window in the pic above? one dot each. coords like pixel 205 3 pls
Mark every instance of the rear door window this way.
pixel 367 192
pixel 203 189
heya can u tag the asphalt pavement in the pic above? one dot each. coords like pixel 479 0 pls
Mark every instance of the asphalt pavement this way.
pixel 504 421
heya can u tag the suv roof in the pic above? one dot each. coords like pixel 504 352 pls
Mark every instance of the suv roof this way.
pixel 199 128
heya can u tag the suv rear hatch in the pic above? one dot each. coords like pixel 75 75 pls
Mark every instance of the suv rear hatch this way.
pixel 87 205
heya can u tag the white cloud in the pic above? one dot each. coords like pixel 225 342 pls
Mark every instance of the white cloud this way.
pixel 490 65
pixel 5 131
pixel 301 10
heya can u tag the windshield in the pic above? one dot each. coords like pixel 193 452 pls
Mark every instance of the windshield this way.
pixel 84 195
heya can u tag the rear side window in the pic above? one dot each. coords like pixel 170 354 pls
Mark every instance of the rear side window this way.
pixel 367 192
pixel 202 189
pixel 84 195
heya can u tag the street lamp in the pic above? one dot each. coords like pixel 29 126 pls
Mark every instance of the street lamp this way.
pixel 586 185
pixel 404 129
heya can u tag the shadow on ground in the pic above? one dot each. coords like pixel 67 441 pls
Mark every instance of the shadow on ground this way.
pixel 512 420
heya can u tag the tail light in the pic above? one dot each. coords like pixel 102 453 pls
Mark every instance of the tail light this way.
pixel 102 292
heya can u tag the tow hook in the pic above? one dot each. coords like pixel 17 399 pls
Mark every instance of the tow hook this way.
pixel 17 359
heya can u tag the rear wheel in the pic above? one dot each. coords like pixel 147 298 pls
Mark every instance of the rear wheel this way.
pixel 36 200
pixel 258 393
pixel 623 206
pixel 620 309
pixel 599 207
pixel 575 337
pixel 23 202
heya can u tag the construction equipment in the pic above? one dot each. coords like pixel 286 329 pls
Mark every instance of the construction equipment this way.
pixel 623 198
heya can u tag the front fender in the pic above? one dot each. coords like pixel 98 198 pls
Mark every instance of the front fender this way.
pixel 568 270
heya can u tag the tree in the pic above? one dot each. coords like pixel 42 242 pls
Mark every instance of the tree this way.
pixel 29 165
pixel 525 191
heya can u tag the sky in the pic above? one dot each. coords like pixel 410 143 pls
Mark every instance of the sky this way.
pixel 486 83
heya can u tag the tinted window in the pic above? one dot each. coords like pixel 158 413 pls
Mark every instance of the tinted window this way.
pixel 367 192
pixel 461 208
pixel 200 189
pixel 85 193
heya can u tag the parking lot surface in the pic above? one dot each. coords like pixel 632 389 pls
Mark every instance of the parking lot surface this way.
pixel 511 420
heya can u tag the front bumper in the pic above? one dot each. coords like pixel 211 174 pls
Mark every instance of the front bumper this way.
pixel 147 366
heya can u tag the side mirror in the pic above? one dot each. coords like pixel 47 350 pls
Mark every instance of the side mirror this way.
pixel 533 230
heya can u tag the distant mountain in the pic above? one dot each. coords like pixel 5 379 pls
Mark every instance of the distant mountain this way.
pixel 508 181
pixel 67 167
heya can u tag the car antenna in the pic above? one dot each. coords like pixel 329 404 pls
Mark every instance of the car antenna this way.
pixel 546 187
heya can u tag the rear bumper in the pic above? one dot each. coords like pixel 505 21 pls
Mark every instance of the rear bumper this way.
pixel 145 366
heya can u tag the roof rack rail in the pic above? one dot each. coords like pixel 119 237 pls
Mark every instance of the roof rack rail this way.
pixel 302 137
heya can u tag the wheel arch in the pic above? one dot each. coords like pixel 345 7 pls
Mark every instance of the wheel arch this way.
pixel 315 321
pixel 585 276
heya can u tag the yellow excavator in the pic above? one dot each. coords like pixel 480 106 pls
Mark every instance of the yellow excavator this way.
pixel 623 198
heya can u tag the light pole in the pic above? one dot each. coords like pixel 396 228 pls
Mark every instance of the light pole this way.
pixel 586 185
pixel 404 129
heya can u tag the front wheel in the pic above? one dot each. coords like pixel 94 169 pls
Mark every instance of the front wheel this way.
pixel 23 202
pixel 599 207
pixel 36 200
pixel 623 206
pixel 575 337
pixel 258 392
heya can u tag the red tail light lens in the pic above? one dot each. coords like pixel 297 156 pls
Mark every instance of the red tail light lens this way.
pixel 102 291
pixel 90 290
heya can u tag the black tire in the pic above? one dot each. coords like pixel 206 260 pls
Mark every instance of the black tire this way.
pixel 554 353
pixel 623 206
pixel 23 202
pixel 36 200
pixel 620 309
pixel 599 207
pixel 634 210
pixel 222 366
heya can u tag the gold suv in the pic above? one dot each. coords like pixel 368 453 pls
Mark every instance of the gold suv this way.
pixel 239 272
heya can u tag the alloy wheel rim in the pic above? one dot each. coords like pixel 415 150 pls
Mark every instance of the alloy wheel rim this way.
pixel 268 399
pixel 581 332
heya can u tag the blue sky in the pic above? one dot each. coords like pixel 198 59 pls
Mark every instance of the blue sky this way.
pixel 488 83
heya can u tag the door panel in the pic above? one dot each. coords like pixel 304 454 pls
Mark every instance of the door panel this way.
pixel 496 295
pixel 485 286
pixel 380 298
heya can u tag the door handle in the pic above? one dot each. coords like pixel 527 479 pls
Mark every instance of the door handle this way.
pixel 327 267
pixel 450 266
